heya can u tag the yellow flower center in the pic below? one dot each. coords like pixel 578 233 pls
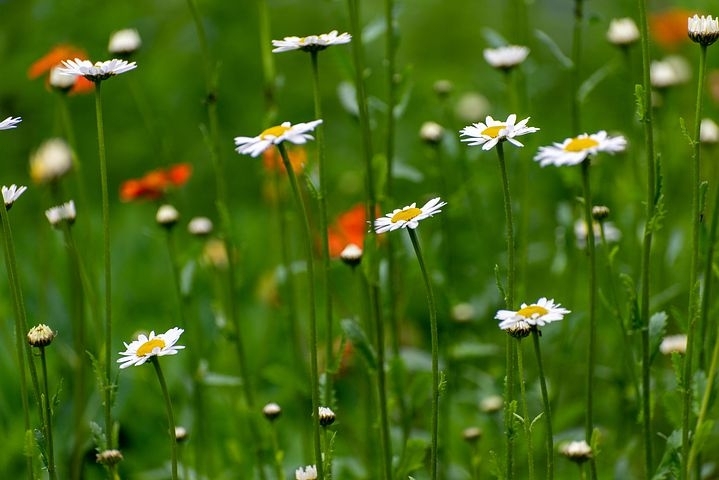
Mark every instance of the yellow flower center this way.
pixel 407 214
pixel 527 312
pixel 273 132
pixel 147 347
pixel 579 144
pixel 493 131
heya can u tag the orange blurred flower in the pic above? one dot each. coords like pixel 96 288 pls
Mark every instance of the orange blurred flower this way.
pixel 53 59
pixel 669 28
pixel 350 227
pixel 155 183
pixel 272 160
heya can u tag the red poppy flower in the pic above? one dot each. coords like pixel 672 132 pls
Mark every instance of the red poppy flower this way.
pixel 350 227
pixel 155 183
pixel 53 59
pixel 669 28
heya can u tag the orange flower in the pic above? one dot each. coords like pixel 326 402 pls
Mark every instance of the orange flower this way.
pixel 669 28
pixel 272 160
pixel 53 59
pixel 350 227
pixel 155 183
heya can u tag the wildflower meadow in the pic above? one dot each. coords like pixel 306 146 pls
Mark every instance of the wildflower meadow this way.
pixel 359 240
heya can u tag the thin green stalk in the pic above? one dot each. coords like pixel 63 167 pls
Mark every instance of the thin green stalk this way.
pixel 527 423
pixel 170 417
pixel 314 373
pixel 646 117
pixel 268 63
pixel 509 297
pixel 576 62
pixel 547 405
pixel 511 361
pixel 19 329
pixel 435 353
pixel 592 284
pixel 276 452
pixel 694 293
pixel 322 202
pixel 47 418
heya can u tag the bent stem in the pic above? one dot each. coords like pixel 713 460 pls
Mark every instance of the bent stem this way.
pixel 435 352
pixel 170 417
pixel 300 203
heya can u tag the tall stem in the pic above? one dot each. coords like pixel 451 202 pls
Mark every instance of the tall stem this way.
pixel 576 59
pixel 547 406
pixel 435 353
pixel 170 416
pixel 527 423
pixel 268 63
pixel 314 373
pixel 646 116
pixel 694 293
pixel 47 418
pixel 509 299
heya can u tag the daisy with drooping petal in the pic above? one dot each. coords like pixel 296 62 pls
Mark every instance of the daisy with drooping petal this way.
pixel 703 30
pixel 60 213
pixel 573 151
pixel 297 134
pixel 12 193
pixel 507 57
pixel 307 473
pixel 97 71
pixel 491 132
pixel 536 315
pixel 9 123
pixel 311 42
pixel 141 350
pixel 408 217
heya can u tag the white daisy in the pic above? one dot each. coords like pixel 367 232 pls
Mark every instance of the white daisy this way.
pixel 576 451
pixel 536 315
pixel 408 217
pixel 491 132
pixel 57 214
pixel 575 150
pixel 9 123
pixel 673 344
pixel 51 161
pixel 307 473
pixel 708 131
pixel 506 58
pixel 672 70
pixel 124 42
pixel 60 81
pixel 97 71
pixel 254 146
pixel 142 349
pixel 703 30
pixel 310 43
pixel 12 193
pixel 622 32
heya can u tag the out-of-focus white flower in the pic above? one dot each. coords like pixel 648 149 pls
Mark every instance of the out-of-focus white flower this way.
pixel 671 71
pixel 12 193
pixel 51 161
pixel 124 42
pixel 506 58
pixel 622 32
pixel 311 42
pixel 708 131
pixel 65 212
pixel 673 344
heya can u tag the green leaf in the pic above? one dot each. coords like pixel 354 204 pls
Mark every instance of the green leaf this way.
pixel 595 79
pixel 554 49
pixel 412 458
pixel 657 329
pixel 360 341
pixel 670 464
pixel 347 95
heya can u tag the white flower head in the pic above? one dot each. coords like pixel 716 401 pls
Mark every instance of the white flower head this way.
pixel 61 81
pixel 200 226
pixel 51 161
pixel 9 123
pixel 622 32
pixel 671 71
pixel 708 131
pixel 703 30
pixel 297 134
pixel 673 344
pixel 12 193
pixel 312 43
pixel 60 213
pixel 124 42
pixel 408 217
pixel 307 473
pixel 506 58
pixel 167 216
pixel 573 151
pixel 431 132
pixel 491 132
pixel 145 347
pixel 97 71
pixel 535 315
pixel 576 451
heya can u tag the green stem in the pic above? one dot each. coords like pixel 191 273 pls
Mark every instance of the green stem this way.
pixel 511 361
pixel 509 299
pixel 646 116
pixel 694 293
pixel 20 343
pixel 435 352
pixel 109 387
pixel 576 59
pixel 322 202
pixel 592 284
pixel 527 423
pixel 277 453
pixel 47 418
pixel 547 405
pixel 268 63
pixel 314 373
pixel 170 417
